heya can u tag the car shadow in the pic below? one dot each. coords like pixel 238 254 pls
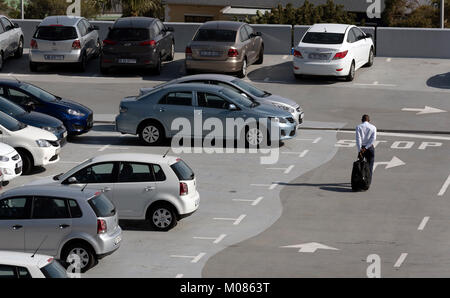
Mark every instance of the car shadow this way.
pixel 35 171
pixel 441 81
pixel 136 225
pixel 333 187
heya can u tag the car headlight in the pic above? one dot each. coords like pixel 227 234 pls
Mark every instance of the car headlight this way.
pixel 284 107
pixel 277 119
pixel 4 158
pixel 43 143
pixel 75 113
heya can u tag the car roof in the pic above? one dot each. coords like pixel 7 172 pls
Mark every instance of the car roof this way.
pixel 221 77
pixel 330 28
pixel 50 190
pixel 60 20
pixel 224 25
pixel 135 157
pixel 13 258
pixel 133 22
pixel 9 82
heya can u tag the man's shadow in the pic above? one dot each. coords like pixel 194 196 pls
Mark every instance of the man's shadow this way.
pixel 335 187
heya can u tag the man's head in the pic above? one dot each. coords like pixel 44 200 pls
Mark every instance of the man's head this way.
pixel 365 118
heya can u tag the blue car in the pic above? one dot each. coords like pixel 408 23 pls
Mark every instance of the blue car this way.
pixel 77 118
pixel 35 119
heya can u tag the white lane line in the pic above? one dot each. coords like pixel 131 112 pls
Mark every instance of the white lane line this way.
pixel 216 239
pixel 388 59
pixel 103 148
pixel 378 84
pixel 375 83
pixel 423 223
pixel 70 162
pixel 179 275
pixel 236 220
pixel 303 154
pixel 220 238
pixel 444 187
pixel 254 202
pixel 314 141
pixel 289 169
pixel 270 186
pixel 400 260
pixel 300 154
pixel 404 135
pixel 285 57
pixel 195 259
pixel 273 186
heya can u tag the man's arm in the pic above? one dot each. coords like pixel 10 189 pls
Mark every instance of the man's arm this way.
pixel 358 138
pixel 372 138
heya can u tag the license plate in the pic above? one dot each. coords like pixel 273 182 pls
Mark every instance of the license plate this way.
pixel 318 56
pixel 209 53
pixel 127 61
pixel 54 57
pixel 117 240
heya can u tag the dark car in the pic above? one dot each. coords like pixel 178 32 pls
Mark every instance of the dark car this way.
pixel 137 42
pixel 35 119
pixel 77 118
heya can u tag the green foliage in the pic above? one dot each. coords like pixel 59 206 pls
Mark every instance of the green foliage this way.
pixel 413 13
pixel 10 10
pixel 306 14
pixel 39 9
pixel 148 8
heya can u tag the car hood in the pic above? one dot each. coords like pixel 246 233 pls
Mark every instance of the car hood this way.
pixel 44 181
pixel 5 149
pixel 268 110
pixel 39 120
pixel 70 104
pixel 276 98
pixel 34 133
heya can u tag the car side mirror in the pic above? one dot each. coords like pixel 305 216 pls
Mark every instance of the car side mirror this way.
pixel 258 34
pixel 170 29
pixel 30 106
pixel 232 107
pixel 368 35
pixel 72 180
pixel 16 25
pixel 95 28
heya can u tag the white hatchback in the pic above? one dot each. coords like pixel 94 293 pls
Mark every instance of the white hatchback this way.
pixel 10 162
pixel 158 189
pixel 333 50
pixel 15 265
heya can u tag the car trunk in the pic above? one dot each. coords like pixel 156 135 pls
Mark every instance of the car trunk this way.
pixel 318 52
pixel 127 41
pixel 203 50
pixel 55 38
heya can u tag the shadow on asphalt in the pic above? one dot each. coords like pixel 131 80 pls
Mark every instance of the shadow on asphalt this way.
pixel 136 225
pixel 334 187
pixel 440 81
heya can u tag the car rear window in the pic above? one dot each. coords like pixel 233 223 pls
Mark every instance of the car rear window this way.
pixel 129 34
pixel 323 38
pixel 102 206
pixel 54 270
pixel 182 170
pixel 215 35
pixel 56 33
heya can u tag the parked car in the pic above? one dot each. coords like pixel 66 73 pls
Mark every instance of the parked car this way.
pixel 60 221
pixel 11 40
pixel 242 87
pixel 10 164
pixel 150 116
pixel 77 118
pixel 160 190
pixel 137 42
pixel 64 39
pixel 32 118
pixel 224 46
pixel 37 147
pixel 333 50
pixel 20 265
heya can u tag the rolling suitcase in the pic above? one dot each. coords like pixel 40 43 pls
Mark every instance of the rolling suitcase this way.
pixel 361 177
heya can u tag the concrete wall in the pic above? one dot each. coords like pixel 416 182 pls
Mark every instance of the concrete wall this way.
pixel 184 32
pixel 277 38
pixel 413 42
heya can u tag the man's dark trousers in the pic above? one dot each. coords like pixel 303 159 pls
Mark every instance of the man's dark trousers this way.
pixel 369 154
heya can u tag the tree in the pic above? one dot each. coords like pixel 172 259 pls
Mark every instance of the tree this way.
pixel 9 10
pixel 39 9
pixel 149 8
pixel 413 13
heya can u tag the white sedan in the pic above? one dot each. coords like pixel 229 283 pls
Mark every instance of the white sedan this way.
pixel 333 50
pixel 15 265
pixel 10 163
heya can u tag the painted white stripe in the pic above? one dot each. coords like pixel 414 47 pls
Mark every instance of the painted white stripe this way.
pixel 240 218
pixel 378 84
pixel 303 154
pixel 104 148
pixel 273 186
pixel 404 135
pixel 400 260
pixel 256 202
pixel 444 187
pixel 179 276
pixel 423 223
pixel 289 169
pixel 197 258
pixel 220 238
pixel 388 59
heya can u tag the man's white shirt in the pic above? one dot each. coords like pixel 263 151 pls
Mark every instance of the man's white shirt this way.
pixel 366 134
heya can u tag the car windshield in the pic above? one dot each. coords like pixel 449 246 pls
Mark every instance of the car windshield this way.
pixel 215 35
pixel 129 34
pixel 56 33
pixel 10 108
pixel 38 92
pixel 238 98
pixel 54 270
pixel 10 123
pixel 102 206
pixel 182 170
pixel 323 38
pixel 250 88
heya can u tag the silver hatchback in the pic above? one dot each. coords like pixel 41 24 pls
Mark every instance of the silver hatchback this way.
pixel 64 39
pixel 61 222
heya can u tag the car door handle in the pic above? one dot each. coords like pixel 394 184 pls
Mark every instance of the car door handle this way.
pixel 17 227
pixel 106 189
pixel 149 188
pixel 162 110
pixel 63 226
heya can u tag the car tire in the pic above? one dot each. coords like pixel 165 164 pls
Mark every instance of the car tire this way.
pixel 351 73
pixel 151 133
pixel 162 217
pixel 243 72
pixel 99 49
pixel 370 62
pixel 157 69
pixel 171 55
pixel 27 161
pixel 84 251
pixel 299 76
pixel 19 51
pixel 260 56
pixel 82 64
pixel 33 67
pixel 256 137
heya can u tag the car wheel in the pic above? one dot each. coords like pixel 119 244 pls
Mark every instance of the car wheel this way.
pixel 370 62
pixel 151 133
pixel 79 251
pixel 157 69
pixel 298 76
pixel 33 67
pixel 99 49
pixel 19 51
pixel 243 72
pixel 351 74
pixel 162 217
pixel 172 53
pixel 82 64
pixel 260 56
pixel 27 162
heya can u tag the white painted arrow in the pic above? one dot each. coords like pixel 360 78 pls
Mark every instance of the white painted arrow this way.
pixel 310 247
pixel 426 110
pixel 395 162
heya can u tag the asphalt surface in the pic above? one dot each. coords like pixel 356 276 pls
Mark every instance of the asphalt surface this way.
pixel 249 211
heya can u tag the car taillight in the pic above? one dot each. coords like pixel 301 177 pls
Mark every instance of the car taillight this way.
pixel 188 51
pixel 151 43
pixel 340 55
pixel 297 54
pixel 33 44
pixel 233 53
pixel 183 189
pixel 101 226
pixel 109 42
pixel 76 45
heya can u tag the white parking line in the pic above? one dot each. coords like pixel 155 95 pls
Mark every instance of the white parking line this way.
pixel 388 59
pixel 104 148
pixel 195 259
pixel 303 154
pixel 300 154
pixel 216 239
pixel 285 57
pixel 289 169
pixel 444 187
pixel 236 220
pixel 314 141
pixel 254 202
pixel 373 84
pixel 179 275
pixel 400 260
pixel 423 223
